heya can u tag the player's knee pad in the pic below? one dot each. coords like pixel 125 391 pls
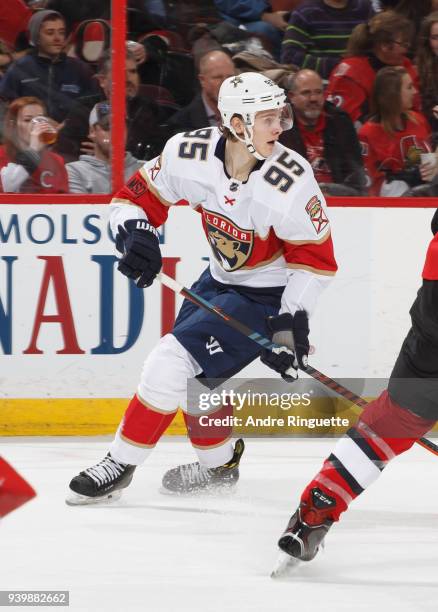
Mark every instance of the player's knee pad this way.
pixel 167 368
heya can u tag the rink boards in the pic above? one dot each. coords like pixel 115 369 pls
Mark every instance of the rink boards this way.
pixel 74 333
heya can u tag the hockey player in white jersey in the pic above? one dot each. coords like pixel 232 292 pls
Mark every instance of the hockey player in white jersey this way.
pixel 266 222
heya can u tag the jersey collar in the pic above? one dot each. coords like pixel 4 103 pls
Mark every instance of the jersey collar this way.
pixel 220 154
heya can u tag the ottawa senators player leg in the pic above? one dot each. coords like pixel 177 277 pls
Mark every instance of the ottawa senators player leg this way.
pixel 384 431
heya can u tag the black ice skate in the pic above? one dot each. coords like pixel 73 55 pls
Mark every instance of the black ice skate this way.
pixel 101 482
pixel 305 532
pixel 194 478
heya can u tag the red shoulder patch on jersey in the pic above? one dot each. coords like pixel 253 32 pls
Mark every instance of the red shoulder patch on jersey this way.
pixel 137 185
pixel 316 213
pixel 430 270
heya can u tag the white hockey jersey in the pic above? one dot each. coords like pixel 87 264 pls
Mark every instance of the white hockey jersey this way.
pixel 272 230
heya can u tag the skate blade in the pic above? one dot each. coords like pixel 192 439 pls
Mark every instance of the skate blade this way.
pixel 76 499
pixel 284 566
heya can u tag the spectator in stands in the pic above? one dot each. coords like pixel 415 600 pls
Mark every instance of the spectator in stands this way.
pixel 256 16
pixel 427 66
pixel 395 137
pixel 214 68
pixel 318 32
pixel 26 163
pixel 92 173
pixel 145 137
pixel 325 136
pixel 383 41
pixel 48 73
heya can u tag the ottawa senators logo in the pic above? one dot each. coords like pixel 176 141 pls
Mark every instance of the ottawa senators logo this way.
pixel 231 245
pixel 316 213
pixel 411 151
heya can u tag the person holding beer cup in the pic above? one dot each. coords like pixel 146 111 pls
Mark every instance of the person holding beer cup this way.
pixel 27 165
pixel 396 141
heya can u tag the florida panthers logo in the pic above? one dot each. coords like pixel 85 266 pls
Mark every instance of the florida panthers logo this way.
pixel 232 246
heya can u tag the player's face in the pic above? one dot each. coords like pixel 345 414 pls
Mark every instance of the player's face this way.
pixel 266 131
pixel 407 92
pixel 51 39
pixel 433 38
pixel 308 97
pixel 24 118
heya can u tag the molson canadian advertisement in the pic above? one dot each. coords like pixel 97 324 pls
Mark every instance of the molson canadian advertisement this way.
pixel 74 332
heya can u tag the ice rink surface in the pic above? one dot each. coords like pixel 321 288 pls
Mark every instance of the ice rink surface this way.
pixel 157 553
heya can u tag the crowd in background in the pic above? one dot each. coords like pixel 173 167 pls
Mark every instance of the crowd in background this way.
pixel 361 76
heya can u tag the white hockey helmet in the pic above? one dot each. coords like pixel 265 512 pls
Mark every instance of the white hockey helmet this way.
pixel 247 94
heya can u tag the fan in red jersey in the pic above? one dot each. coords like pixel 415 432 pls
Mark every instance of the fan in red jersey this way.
pixel 383 41
pixel 396 140
pixel 426 61
pixel 387 427
pixel 26 163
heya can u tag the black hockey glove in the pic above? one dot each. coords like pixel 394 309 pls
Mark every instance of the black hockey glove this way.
pixel 138 242
pixel 291 334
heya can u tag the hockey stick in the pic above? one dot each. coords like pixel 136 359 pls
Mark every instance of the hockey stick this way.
pixel 268 344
